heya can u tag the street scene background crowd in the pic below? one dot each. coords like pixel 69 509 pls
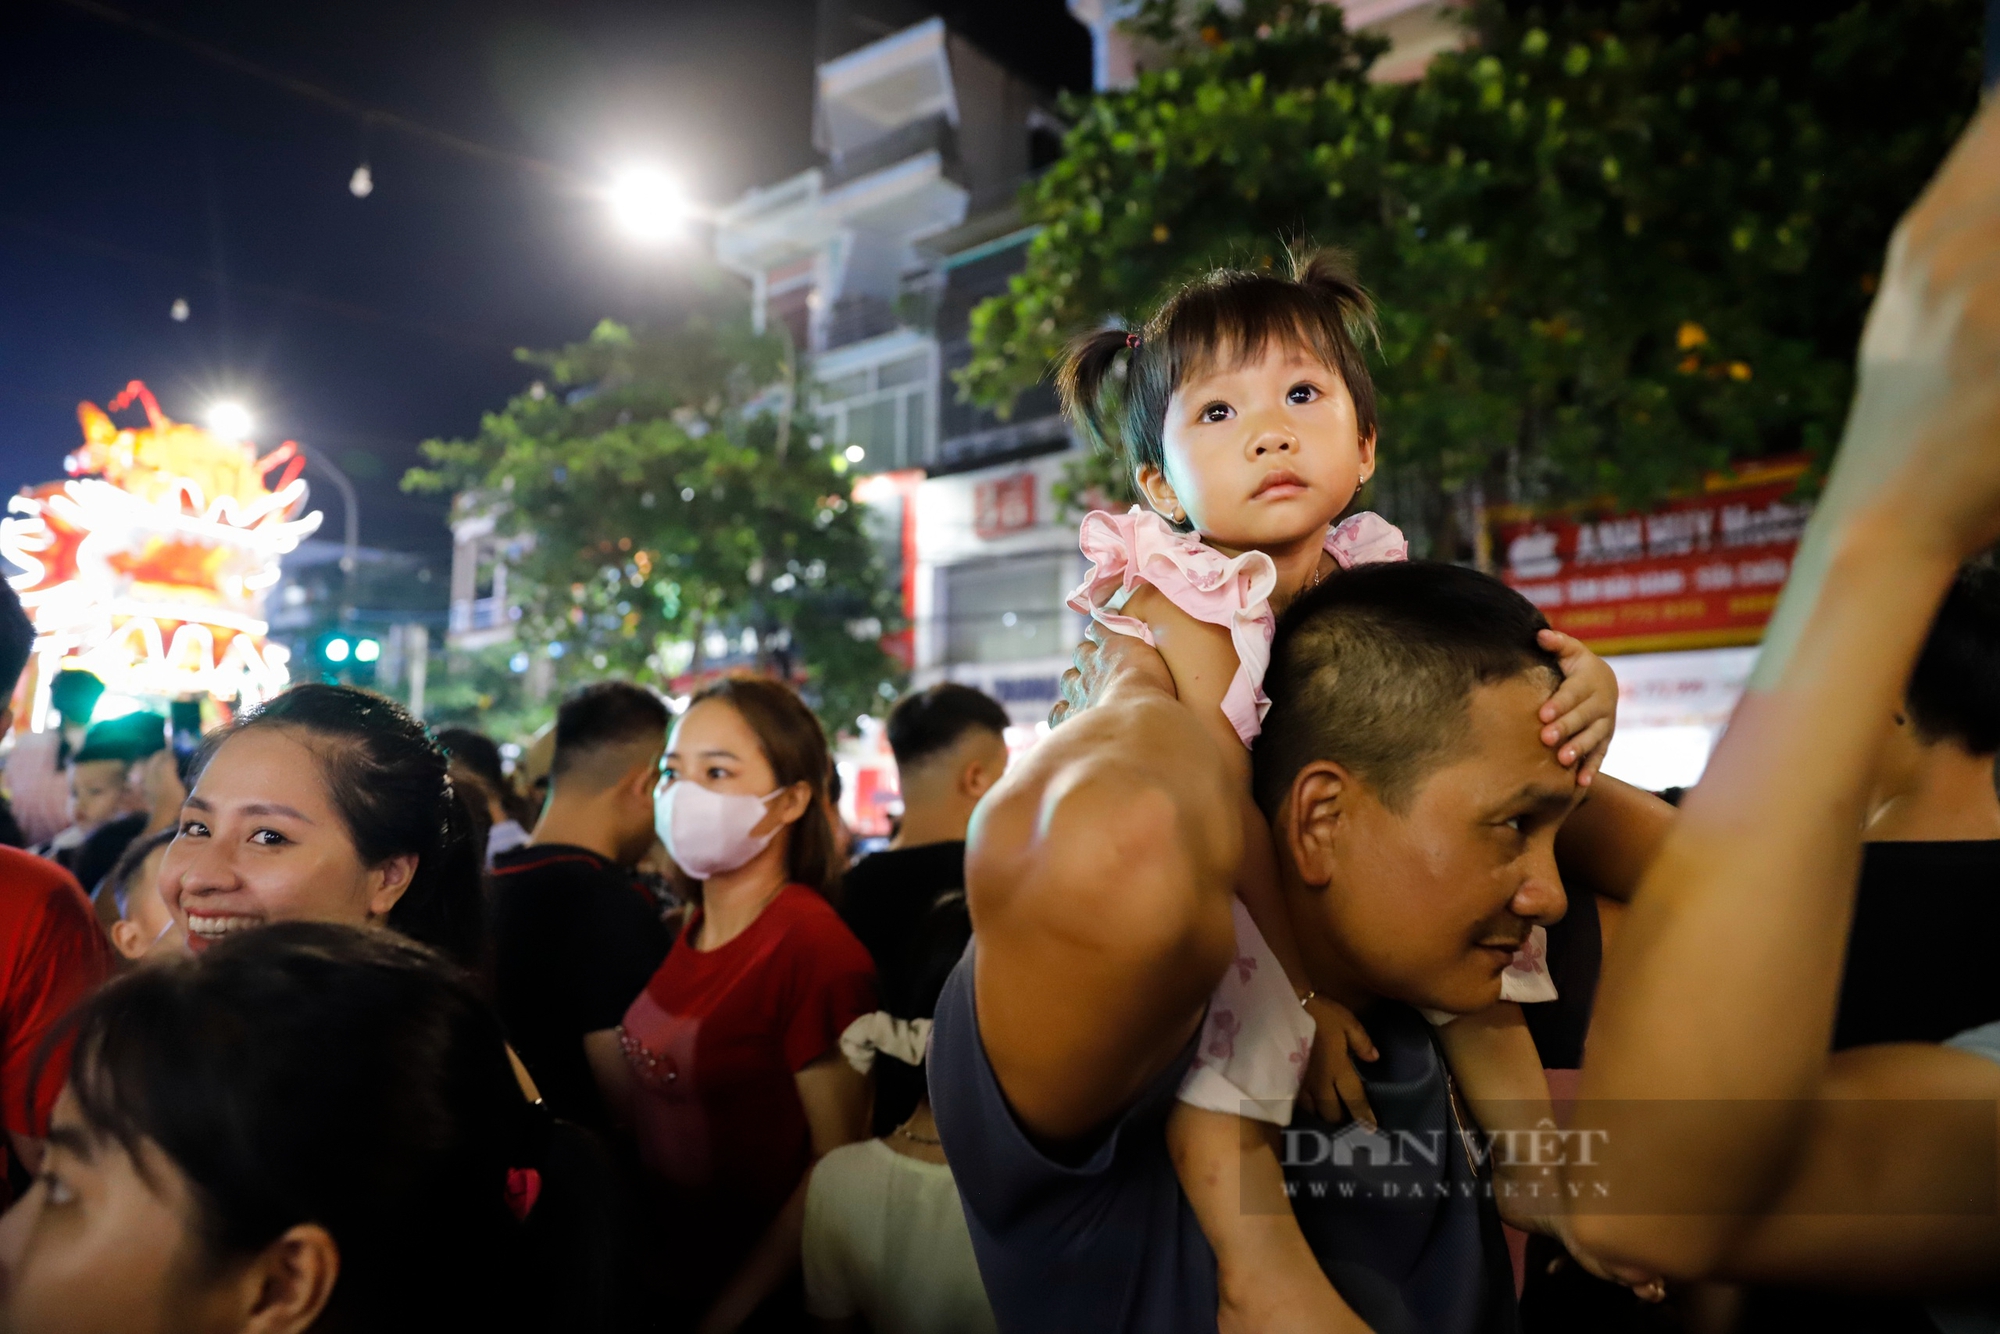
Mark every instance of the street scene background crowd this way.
pixel 1330 940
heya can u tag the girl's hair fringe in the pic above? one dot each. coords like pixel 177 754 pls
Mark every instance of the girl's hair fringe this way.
pixel 1226 313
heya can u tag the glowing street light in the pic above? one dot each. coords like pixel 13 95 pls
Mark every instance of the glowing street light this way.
pixel 230 420
pixel 648 204
pixel 336 650
pixel 367 651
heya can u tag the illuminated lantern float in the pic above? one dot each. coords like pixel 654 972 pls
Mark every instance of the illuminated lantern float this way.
pixel 149 567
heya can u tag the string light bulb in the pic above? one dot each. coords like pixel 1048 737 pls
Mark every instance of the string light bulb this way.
pixel 362 183
pixel 178 312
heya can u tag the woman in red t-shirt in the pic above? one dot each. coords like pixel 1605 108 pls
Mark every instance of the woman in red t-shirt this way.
pixel 732 1075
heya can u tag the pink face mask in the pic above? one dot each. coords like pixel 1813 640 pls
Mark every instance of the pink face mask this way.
pixel 708 833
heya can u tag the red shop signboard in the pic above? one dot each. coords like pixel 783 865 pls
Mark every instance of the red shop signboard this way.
pixel 1004 505
pixel 1699 572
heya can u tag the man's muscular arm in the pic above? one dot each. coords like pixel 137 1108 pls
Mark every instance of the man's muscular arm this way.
pixel 1098 873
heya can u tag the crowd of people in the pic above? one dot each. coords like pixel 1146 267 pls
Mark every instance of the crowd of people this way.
pixel 1277 989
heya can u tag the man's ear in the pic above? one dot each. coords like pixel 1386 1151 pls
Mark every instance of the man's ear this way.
pixel 125 939
pixel 287 1285
pixel 1159 492
pixel 978 777
pixel 1315 820
pixel 644 778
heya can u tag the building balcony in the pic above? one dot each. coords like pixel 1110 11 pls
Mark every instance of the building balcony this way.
pixel 855 319
pixel 933 134
pixel 876 90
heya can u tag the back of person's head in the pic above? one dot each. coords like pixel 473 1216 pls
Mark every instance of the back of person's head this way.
pixel 1375 670
pixel 128 739
pixel 603 730
pixel 17 639
pixel 1227 317
pixel 927 724
pixel 476 751
pixel 1954 692
pixel 794 745
pixel 128 902
pixel 74 694
pixel 314 1074
pixel 392 786
pixel 117 881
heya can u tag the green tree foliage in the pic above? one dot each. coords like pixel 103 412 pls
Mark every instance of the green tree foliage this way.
pixel 481 690
pixel 1615 244
pixel 660 507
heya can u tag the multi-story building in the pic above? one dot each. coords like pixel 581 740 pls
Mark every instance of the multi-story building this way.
pixel 873 262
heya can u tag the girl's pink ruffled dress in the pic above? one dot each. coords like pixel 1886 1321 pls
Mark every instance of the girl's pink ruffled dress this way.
pixel 1256 1038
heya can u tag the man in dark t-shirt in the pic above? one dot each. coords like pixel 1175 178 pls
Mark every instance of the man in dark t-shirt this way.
pixel 1414 811
pixel 575 936
pixel 950 747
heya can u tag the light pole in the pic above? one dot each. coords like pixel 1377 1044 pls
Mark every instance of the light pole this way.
pixel 348 558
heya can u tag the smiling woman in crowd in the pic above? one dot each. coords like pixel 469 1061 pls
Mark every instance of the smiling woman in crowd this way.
pixel 328 804
pixel 733 1076
pixel 371 1175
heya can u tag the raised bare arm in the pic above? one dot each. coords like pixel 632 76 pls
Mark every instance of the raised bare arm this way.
pixel 1722 983
pixel 1098 873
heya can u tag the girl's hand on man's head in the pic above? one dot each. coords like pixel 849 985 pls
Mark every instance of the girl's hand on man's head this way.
pixel 1579 718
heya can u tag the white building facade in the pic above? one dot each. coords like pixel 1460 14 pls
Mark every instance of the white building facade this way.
pixel 872 263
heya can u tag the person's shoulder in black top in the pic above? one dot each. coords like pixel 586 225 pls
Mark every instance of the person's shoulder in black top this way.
pixel 1919 955
pixel 885 898
pixel 1919 965
pixel 575 940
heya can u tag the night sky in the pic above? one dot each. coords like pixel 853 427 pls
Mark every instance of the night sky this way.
pixel 138 172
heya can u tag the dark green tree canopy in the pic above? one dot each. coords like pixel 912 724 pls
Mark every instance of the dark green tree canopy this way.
pixel 1614 244
pixel 659 503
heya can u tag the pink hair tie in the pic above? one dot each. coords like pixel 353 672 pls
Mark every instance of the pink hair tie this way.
pixel 1132 341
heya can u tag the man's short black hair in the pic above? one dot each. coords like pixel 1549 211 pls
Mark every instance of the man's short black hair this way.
pixel 928 722
pixel 1954 692
pixel 1375 670
pixel 610 713
pixel 476 751
pixel 17 639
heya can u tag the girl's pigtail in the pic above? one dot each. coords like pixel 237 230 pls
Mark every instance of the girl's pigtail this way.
pixel 1081 376
pixel 1328 274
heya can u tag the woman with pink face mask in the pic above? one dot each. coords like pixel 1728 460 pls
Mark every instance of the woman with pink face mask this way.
pixel 732 1076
